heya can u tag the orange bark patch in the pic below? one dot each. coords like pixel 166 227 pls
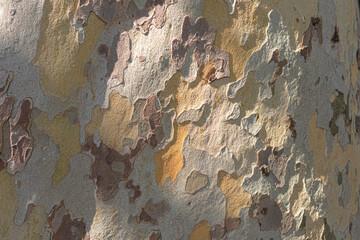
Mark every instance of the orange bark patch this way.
pixel 170 159
pixel 236 196
pixel 201 231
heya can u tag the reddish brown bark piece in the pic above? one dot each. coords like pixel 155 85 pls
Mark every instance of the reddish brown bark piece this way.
pixel 287 222
pixel 358 58
pixel 153 118
pixel 103 50
pixel 232 224
pixel 62 226
pixel 219 61
pixel 153 13
pixel 201 36
pixel 290 124
pixel 109 166
pixel 217 232
pixel 155 235
pixel 313 33
pixel 357 124
pixel 142 58
pixel 280 64
pixel 118 56
pixel 272 162
pixel 6 104
pixel 5 80
pixel 20 140
pixel 152 212
pixel 73 114
pixel 335 37
pixel 134 192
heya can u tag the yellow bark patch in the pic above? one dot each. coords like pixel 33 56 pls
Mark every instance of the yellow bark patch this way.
pixel 314 225
pixel 317 143
pixel 236 196
pixel 114 123
pixel 186 95
pixel 325 169
pixel 272 115
pixel 66 136
pixel 169 161
pixel 201 231
pixel 8 206
pixel 36 223
pixel 248 95
pixel 249 18
pixel 59 55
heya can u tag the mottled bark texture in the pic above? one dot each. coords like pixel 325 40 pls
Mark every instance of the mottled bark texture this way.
pixel 179 119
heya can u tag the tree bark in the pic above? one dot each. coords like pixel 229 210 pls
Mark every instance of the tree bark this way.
pixel 174 119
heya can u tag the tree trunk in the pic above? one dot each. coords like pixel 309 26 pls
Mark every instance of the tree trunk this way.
pixel 175 119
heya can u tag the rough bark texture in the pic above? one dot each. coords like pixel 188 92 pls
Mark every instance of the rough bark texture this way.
pixel 179 119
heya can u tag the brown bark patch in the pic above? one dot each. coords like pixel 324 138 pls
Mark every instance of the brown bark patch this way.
pixel 290 124
pixel 153 116
pixel 109 166
pixel 201 36
pixel 62 226
pixel 313 33
pixel 21 141
pixel 134 191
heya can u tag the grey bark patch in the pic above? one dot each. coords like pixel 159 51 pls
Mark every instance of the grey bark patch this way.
pixel 268 213
pixel 106 10
pixel 192 115
pixel 273 162
pixel 152 212
pixel 178 229
pixel 250 124
pixel 235 113
pixel 195 182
